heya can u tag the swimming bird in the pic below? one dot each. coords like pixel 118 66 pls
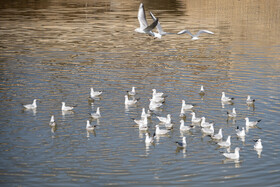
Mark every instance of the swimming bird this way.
pixel 208 131
pixel 251 123
pixel 166 119
pixel 195 37
pixel 161 131
pixel 157 94
pixel 130 102
pixel 154 105
pixel 31 106
pixel 144 114
pixel 258 144
pixel 195 119
pixel 144 27
pixel 182 144
pixel 201 92
pixel 149 139
pixel 240 133
pixel 159 28
pixel 97 114
pixel 250 101
pixel 158 99
pixel 141 122
pixel 232 114
pixel 89 127
pixel 205 124
pixel 234 156
pixel 132 92
pixel 226 143
pixel 186 106
pixel 182 113
pixel 66 108
pixel 52 122
pixel 94 94
pixel 218 136
pixel 224 98
pixel 183 127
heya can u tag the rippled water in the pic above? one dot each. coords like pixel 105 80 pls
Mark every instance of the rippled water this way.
pixel 55 51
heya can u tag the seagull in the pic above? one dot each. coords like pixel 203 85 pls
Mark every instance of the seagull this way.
pixel 159 29
pixel 94 94
pixel 182 113
pixel 226 99
pixel 144 114
pixel 205 124
pixel 201 92
pixel 250 101
pixel 141 122
pixel 149 139
pixel 218 136
pixel 97 114
pixel 144 28
pixel 169 126
pixel 226 143
pixel 132 92
pixel 232 114
pixel 165 119
pixel 157 94
pixel 234 156
pixel 130 102
pixel 195 119
pixel 161 131
pixel 154 105
pixel 258 144
pixel 208 131
pixel 52 122
pixel 186 106
pixel 195 37
pixel 182 144
pixel 240 133
pixel 251 123
pixel 66 108
pixel 183 127
pixel 31 106
pixel 158 99
pixel 89 127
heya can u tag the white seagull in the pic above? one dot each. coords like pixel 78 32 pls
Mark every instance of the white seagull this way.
pixel 94 94
pixel 186 106
pixel 201 92
pixel 182 113
pixel 195 119
pixel 234 156
pixel 158 99
pixel 240 133
pixel 141 122
pixel 195 37
pixel 157 94
pixel 154 105
pixel 132 92
pixel 66 108
pixel 218 136
pixel 258 144
pixel 97 114
pixel 31 106
pixel 165 119
pixel 226 143
pixel 89 127
pixel 205 124
pixel 232 114
pixel 224 98
pixel 183 127
pixel 130 102
pixel 250 101
pixel 208 131
pixel 251 123
pixel 144 27
pixel 144 114
pixel 161 131
pixel 52 122
pixel 149 139
pixel 182 144
pixel 159 28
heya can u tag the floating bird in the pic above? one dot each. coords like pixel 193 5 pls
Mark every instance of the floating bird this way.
pixel 232 114
pixel 205 124
pixel 183 127
pixel 159 28
pixel 158 99
pixel 234 156
pixel 161 131
pixel 165 119
pixel 142 122
pixel 250 101
pixel 195 37
pixel 182 144
pixel 144 28
pixel 208 131
pixel 97 114
pixel 218 136
pixel 149 139
pixel 154 105
pixel 226 99
pixel 144 114
pixel 226 143
pixel 157 94
pixel 186 106
pixel 182 113
pixel 66 108
pixel 132 92
pixel 258 144
pixel 201 92
pixel 52 122
pixel 89 127
pixel 130 102
pixel 240 133
pixel 195 119
pixel 94 94
pixel 251 123
pixel 31 106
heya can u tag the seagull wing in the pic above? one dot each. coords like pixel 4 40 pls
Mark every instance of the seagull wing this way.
pixel 152 26
pixel 203 31
pixel 142 17
pixel 185 31
pixel 159 28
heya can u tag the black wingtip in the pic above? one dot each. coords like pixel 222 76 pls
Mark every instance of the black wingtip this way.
pixel 259 120
pixel 232 98
pixel 237 127
pixel 254 100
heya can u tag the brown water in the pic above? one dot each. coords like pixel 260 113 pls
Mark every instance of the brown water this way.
pixel 56 50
